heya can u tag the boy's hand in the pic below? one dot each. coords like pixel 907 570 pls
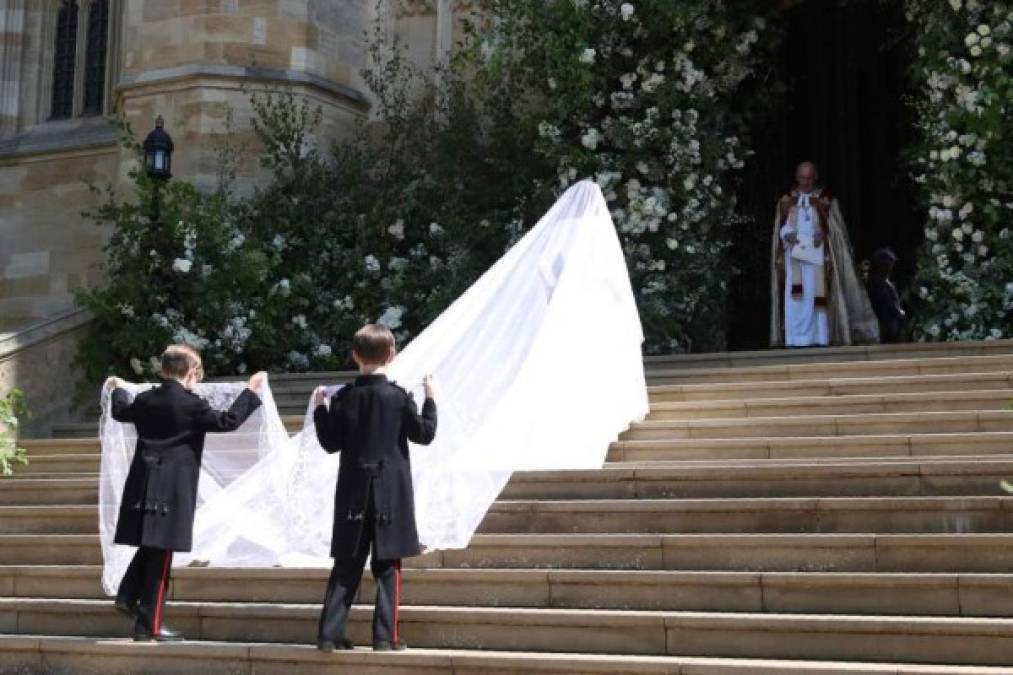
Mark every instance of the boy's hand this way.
pixel 429 384
pixel 319 396
pixel 257 380
pixel 113 383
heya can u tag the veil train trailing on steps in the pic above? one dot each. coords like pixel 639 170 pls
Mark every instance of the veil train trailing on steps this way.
pixel 538 367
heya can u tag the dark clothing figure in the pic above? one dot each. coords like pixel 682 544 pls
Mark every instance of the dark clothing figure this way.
pixel 160 494
pixel 371 422
pixel 884 297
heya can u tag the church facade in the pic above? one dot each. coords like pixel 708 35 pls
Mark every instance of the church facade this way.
pixel 66 65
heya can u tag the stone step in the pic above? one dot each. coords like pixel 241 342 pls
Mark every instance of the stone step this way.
pixel 912 639
pixel 980 553
pixel 294 401
pixel 97 656
pixel 62 465
pixel 631 516
pixel 38 491
pixel 825 447
pixel 766 357
pixel 60 446
pixel 776 592
pixel 859 477
pixel 738 391
pixel 819 371
pixel 699 516
pixel 709 450
pixel 863 404
pixel 770 478
pixel 824 425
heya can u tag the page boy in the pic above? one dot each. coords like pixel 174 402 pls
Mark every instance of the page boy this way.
pixel 370 422
pixel 160 494
pixel 884 297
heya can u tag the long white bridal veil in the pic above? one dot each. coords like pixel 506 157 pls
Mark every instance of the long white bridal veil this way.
pixel 538 365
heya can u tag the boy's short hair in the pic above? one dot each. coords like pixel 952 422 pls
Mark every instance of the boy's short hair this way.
pixel 178 359
pixel 373 343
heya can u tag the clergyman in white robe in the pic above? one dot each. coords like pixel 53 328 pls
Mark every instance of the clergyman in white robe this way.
pixel 813 304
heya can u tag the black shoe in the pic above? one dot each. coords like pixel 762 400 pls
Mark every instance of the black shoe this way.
pixel 388 646
pixel 126 608
pixel 340 644
pixel 163 635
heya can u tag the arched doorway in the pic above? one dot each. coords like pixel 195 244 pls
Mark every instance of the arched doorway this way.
pixel 843 68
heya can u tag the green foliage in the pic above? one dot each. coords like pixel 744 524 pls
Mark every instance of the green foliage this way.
pixel 651 100
pixel 964 76
pixel 391 225
pixel 12 407
pixel 178 271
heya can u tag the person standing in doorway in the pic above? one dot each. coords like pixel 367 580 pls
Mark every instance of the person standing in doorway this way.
pixel 816 297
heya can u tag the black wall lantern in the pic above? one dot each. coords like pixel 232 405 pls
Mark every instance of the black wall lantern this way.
pixel 158 152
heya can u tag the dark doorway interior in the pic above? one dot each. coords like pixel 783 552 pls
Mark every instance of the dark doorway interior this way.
pixel 843 67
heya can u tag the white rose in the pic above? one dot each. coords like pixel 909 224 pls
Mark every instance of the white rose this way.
pixel 627 11
pixel 397 229
pixel 372 264
pixel 182 265
pixel 136 366
pixel 978 237
pixel 391 317
pixel 971 39
pixel 957 234
pixel 984 30
pixel 982 251
pixel 590 139
pixel 322 351
pixel 975 51
pixel 587 56
pixel 967 228
pixel 955 4
pixel 435 229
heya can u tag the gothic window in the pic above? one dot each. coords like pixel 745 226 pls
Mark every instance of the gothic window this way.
pixel 81 52
pixel 95 57
pixel 63 60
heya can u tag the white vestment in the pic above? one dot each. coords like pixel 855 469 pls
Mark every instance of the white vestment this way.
pixel 805 323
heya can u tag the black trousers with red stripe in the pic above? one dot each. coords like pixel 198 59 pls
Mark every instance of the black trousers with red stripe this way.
pixel 146 583
pixel 343 584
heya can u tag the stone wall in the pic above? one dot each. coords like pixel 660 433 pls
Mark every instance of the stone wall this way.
pixel 187 60
pixel 47 347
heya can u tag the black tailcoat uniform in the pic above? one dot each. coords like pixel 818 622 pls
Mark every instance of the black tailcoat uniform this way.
pixel 886 304
pixel 371 422
pixel 160 494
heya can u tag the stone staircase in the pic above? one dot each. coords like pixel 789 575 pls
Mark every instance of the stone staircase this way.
pixel 816 512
